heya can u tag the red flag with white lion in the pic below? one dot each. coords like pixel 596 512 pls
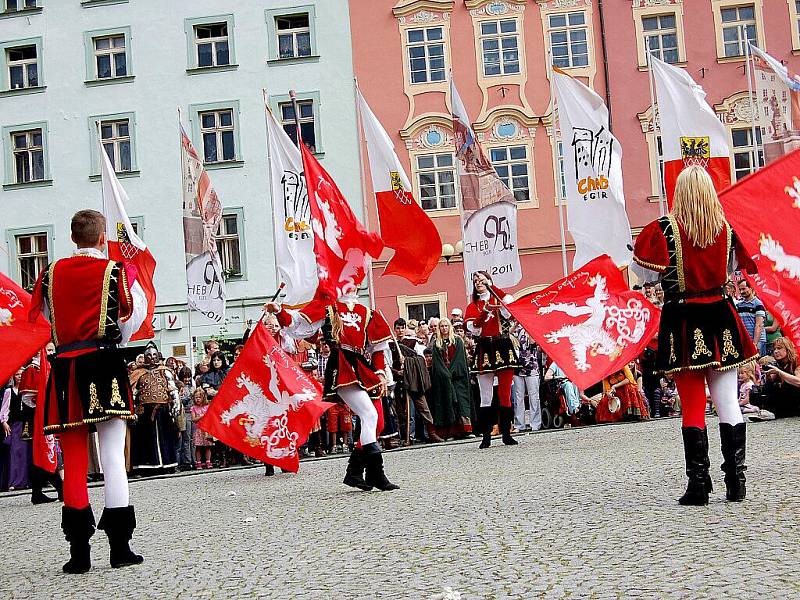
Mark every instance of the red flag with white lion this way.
pixel 769 234
pixel 267 404
pixel 590 323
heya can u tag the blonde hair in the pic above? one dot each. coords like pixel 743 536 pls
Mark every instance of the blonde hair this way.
pixel 749 371
pixel 696 206
pixel 451 336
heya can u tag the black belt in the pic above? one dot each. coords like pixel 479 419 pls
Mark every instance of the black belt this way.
pixel 85 345
pixel 718 292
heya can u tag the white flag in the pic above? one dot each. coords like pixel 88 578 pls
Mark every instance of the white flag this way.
pixel 294 240
pixel 202 213
pixel 596 215
pixel 488 208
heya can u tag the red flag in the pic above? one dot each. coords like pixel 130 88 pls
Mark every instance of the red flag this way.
pixel 44 446
pixel 267 405
pixel 20 337
pixel 341 243
pixel 764 211
pixel 589 323
pixel 405 227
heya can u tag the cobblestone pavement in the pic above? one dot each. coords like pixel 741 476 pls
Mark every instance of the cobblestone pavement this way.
pixel 587 513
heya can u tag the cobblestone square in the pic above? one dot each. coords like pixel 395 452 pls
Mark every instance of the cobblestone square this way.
pixel 588 513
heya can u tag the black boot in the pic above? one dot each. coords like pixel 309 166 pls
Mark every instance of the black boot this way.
pixel 734 439
pixel 375 477
pixel 119 523
pixel 694 450
pixel 78 527
pixel 486 414
pixel 354 477
pixel 269 470
pixel 38 478
pixel 707 462
pixel 58 484
pixel 505 420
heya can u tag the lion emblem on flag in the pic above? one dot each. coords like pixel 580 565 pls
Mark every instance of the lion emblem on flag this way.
pixel 607 329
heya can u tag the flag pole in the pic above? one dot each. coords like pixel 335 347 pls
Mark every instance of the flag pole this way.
pixel 754 115
pixel 460 204
pixel 662 202
pixel 188 306
pixel 272 199
pixel 359 137
pixel 556 170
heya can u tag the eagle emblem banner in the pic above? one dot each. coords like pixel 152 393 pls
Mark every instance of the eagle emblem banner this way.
pixel 590 323
pixel 267 405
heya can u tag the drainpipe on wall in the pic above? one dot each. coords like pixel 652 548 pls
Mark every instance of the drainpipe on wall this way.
pixel 605 61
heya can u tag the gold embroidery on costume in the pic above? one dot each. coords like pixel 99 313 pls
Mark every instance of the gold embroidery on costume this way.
pixel 50 303
pixel 676 235
pixel 101 329
pixel 486 362
pixel 728 349
pixel 94 403
pixel 672 358
pixel 497 358
pixel 116 397
pixel 700 345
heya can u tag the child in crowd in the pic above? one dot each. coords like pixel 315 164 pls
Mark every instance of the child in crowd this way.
pixel 340 422
pixel 747 379
pixel 203 442
pixel 667 396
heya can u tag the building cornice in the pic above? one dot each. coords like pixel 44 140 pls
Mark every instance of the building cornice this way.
pixel 403 8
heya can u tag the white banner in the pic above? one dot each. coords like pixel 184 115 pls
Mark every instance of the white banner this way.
pixel 596 215
pixel 294 240
pixel 202 213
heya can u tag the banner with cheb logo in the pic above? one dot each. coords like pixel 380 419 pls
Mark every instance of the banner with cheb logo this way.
pixel 294 239
pixel 202 213
pixel 596 215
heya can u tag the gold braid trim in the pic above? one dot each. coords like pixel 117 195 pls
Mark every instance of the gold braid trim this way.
pixel 124 288
pixel 50 272
pixel 125 415
pixel 101 330
pixel 336 323
pixel 676 235
pixel 649 265
pixel 716 365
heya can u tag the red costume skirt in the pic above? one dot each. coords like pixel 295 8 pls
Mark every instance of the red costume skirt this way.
pixel 346 367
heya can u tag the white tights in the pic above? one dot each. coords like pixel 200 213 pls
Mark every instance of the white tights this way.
pixel 111 436
pixel 723 386
pixel 359 402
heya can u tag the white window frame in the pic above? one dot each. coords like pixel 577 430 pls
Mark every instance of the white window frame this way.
pixel 111 52
pixel 218 130
pixel 294 32
pixel 659 34
pixel 28 152
pixel 25 64
pixel 193 43
pixel 568 29
pixel 737 27
pixel 748 149
pixel 20 6
pixel 214 41
pixel 40 257
pixel 425 44
pixel 290 123
pixel 226 242
pixel 116 140
pixel 509 163
pixel 404 301
pixel 499 38
pixel 436 170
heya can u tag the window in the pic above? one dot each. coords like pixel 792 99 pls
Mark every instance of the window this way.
pixel 23 68
pixel 15 5
pixel 568 39
pixel 217 131
pixel 426 54
pixel 738 26
pixel 228 245
pixel 116 139
pixel 28 153
pixel 211 43
pixel 307 132
pixel 744 153
pixel 500 46
pixel 661 37
pixel 423 311
pixel 436 181
pixel 294 36
pixel 110 58
pixel 32 257
pixel 797 19
pixel 511 165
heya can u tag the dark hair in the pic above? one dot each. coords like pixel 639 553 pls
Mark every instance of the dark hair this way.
pixel 488 278
pixel 184 372
pixel 427 352
pixel 87 226
pixel 239 348
pixel 401 322
pixel 218 354
pixel 744 281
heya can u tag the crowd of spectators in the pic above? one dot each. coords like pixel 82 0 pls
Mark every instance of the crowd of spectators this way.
pixel 434 397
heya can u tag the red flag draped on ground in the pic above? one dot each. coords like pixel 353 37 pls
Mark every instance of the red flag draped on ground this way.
pixel 341 243
pixel 405 227
pixel 267 405
pixel 44 446
pixel 20 338
pixel 764 211
pixel 589 323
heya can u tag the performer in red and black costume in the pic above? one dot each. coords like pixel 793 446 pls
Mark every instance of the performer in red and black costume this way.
pixel 701 338
pixel 88 299
pixel 355 373
pixel 495 355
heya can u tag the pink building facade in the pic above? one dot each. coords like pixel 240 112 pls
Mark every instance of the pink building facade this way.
pixel 403 51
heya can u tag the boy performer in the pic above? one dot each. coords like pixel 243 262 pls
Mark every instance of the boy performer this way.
pixel 88 298
pixel 355 372
pixel 701 338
